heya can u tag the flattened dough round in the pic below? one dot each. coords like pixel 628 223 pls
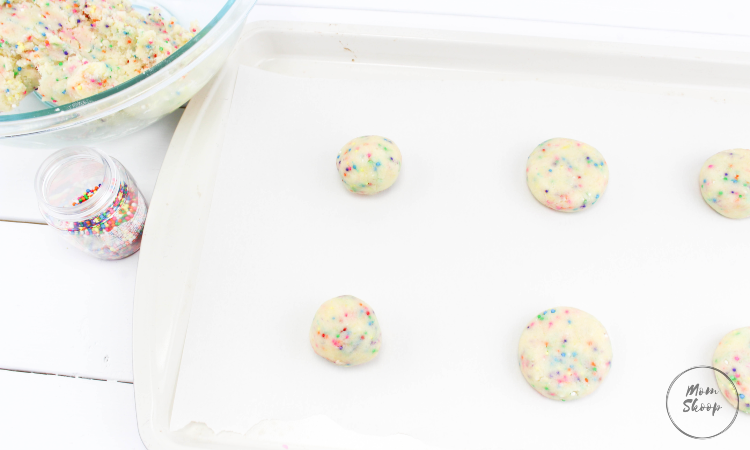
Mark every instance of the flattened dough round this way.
pixel 724 182
pixel 369 164
pixel 564 353
pixel 566 175
pixel 732 357
pixel 345 331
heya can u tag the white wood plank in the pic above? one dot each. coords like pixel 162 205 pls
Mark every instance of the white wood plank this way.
pixel 62 311
pixel 61 413
pixel 141 153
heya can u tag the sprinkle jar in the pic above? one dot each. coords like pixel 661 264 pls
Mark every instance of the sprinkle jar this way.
pixel 92 200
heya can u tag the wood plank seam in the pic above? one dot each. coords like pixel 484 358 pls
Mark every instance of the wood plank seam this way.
pixel 21 221
pixel 62 375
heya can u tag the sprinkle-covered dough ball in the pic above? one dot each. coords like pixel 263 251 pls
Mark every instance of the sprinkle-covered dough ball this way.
pixel 564 353
pixel 724 182
pixel 566 175
pixel 732 357
pixel 345 331
pixel 369 164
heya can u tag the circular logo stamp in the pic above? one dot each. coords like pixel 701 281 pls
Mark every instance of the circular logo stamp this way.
pixel 696 406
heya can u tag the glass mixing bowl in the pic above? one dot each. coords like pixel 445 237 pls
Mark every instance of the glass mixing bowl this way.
pixel 144 99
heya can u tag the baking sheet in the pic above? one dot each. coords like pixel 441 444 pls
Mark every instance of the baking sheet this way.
pixel 456 258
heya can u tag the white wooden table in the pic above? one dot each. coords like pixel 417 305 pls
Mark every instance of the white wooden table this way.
pixel 65 318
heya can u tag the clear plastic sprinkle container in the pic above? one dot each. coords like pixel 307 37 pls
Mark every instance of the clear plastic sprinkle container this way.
pixel 92 200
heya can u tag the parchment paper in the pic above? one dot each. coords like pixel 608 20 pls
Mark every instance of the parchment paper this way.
pixel 457 257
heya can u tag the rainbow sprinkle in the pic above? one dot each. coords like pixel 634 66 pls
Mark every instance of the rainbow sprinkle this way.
pixel 89 193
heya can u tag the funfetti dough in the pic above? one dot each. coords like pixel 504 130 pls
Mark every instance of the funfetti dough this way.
pixel 732 357
pixel 15 82
pixel 564 353
pixel 369 164
pixel 724 182
pixel 68 50
pixel 566 175
pixel 345 331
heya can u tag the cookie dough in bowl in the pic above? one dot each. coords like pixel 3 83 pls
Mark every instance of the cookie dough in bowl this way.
pixel 732 356
pixel 564 353
pixel 345 331
pixel 724 182
pixel 566 175
pixel 369 164
pixel 68 50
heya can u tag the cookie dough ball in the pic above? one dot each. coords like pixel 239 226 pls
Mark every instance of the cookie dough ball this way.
pixel 732 357
pixel 564 353
pixel 724 182
pixel 345 331
pixel 566 175
pixel 369 164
